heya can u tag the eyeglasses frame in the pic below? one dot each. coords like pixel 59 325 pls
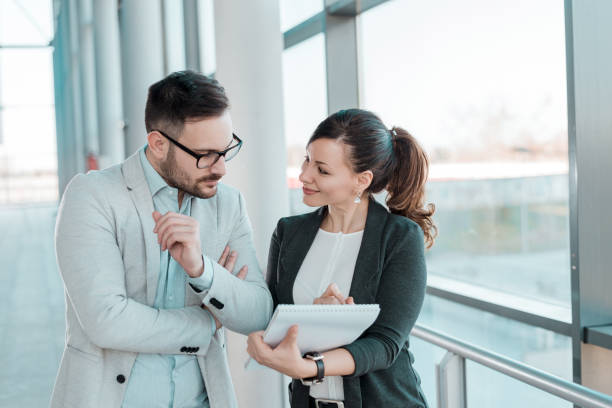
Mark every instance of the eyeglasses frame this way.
pixel 198 156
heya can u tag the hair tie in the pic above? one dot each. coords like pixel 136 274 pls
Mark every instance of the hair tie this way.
pixel 393 133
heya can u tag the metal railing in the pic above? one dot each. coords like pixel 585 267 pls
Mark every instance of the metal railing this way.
pixel 450 373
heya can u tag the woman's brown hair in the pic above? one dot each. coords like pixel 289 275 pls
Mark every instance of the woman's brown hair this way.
pixel 399 164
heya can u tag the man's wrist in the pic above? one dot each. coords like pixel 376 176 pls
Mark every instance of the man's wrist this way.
pixel 198 271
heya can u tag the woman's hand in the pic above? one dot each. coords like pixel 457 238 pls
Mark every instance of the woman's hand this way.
pixel 228 260
pixel 284 358
pixel 332 296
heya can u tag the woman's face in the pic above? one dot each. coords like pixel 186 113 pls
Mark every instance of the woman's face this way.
pixel 327 177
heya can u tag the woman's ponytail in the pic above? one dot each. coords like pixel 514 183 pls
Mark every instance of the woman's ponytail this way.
pixel 406 186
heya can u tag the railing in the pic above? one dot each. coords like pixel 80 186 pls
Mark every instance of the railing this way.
pixel 450 373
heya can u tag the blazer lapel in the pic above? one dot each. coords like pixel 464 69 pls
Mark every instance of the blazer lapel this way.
pixel 295 251
pixel 143 201
pixel 367 269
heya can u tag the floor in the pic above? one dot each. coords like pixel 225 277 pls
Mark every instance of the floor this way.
pixel 32 312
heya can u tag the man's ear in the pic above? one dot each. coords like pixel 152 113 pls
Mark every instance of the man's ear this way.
pixel 158 145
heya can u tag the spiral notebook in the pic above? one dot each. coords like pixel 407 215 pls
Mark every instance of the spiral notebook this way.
pixel 321 327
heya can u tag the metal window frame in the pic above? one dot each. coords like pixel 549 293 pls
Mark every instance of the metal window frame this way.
pixel 548 316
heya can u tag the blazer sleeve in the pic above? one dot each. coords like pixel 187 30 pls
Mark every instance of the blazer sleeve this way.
pixel 400 295
pixel 91 265
pixel 243 306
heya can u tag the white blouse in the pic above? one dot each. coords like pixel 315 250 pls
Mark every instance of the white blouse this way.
pixel 331 258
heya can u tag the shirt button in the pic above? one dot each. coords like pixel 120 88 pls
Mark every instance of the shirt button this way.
pixel 120 379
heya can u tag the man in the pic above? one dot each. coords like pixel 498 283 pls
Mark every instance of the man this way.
pixel 135 246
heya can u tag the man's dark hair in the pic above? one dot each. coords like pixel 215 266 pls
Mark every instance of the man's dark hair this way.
pixel 180 97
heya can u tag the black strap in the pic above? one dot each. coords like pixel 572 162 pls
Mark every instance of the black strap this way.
pixel 320 369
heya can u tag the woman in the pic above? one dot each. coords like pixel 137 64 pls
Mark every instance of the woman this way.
pixel 353 249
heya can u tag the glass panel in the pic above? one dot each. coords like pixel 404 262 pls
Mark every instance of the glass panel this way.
pixel 305 103
pixel 294 12
pixel 536 347
pixel 26 77
pixel 488 102
pixel 502 391
pixel 208 59
pixel 28 150
pixel 26 22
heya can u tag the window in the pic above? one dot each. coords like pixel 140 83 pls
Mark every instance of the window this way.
pixel 482 85
pixel 305 94
pixel 28 159
pixel 294 12
pixel 536 347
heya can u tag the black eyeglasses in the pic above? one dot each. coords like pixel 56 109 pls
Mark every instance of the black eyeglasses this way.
pixel 206 160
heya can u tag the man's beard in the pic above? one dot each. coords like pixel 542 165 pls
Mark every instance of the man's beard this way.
pixel 177 178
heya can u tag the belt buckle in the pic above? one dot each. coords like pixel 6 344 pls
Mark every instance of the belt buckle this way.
pixel 338 404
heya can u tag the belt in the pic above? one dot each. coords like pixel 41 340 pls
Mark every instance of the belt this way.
pixel 324 403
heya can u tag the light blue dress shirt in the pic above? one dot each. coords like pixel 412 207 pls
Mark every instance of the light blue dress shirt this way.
pixel 159 380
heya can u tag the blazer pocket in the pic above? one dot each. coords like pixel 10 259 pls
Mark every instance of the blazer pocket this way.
pixel 83 377
pixel 90 356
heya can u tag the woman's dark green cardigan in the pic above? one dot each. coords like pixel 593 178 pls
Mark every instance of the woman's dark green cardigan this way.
pixel 390 271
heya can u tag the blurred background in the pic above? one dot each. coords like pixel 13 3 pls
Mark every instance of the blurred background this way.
pixel 510 98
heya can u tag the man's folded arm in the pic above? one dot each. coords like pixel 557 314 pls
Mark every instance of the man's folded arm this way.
pixel 243 306
pixel 92 269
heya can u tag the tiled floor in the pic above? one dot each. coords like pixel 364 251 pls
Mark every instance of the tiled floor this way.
pixel 32 312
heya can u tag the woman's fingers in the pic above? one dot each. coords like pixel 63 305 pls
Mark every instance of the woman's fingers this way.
pixel 256 347
pixel 290 339
pixel 333 300
pixel 333 290
pixel 326 300
pixel 336 292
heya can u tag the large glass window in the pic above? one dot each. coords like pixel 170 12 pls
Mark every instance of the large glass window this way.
pixel 294 12
pixel 536 347
pixel 28 158
pixel 305 94
pixel 482 85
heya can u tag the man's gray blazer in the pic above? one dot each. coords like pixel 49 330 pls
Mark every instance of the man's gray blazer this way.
pixel 108 257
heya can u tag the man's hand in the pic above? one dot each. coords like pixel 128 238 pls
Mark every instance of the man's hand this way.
pixel 180 235
pixel 228 260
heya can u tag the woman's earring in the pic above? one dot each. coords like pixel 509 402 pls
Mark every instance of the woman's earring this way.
pixel 357 199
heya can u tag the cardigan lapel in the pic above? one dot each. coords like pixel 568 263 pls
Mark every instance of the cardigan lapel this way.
pixel 368 258
pixel 296 248
pixel 367 269
pixel 143 201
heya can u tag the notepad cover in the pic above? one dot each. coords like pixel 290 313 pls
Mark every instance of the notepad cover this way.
pixel 320 327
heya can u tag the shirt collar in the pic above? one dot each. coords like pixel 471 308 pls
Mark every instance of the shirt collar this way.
pixel 154 180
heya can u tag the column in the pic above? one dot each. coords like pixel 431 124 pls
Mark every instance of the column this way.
pixel 108 82
pixel 88 77
pixel 248 56
pixel 142 59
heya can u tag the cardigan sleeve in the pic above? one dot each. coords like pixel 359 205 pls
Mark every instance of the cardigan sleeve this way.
pixel 400 295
